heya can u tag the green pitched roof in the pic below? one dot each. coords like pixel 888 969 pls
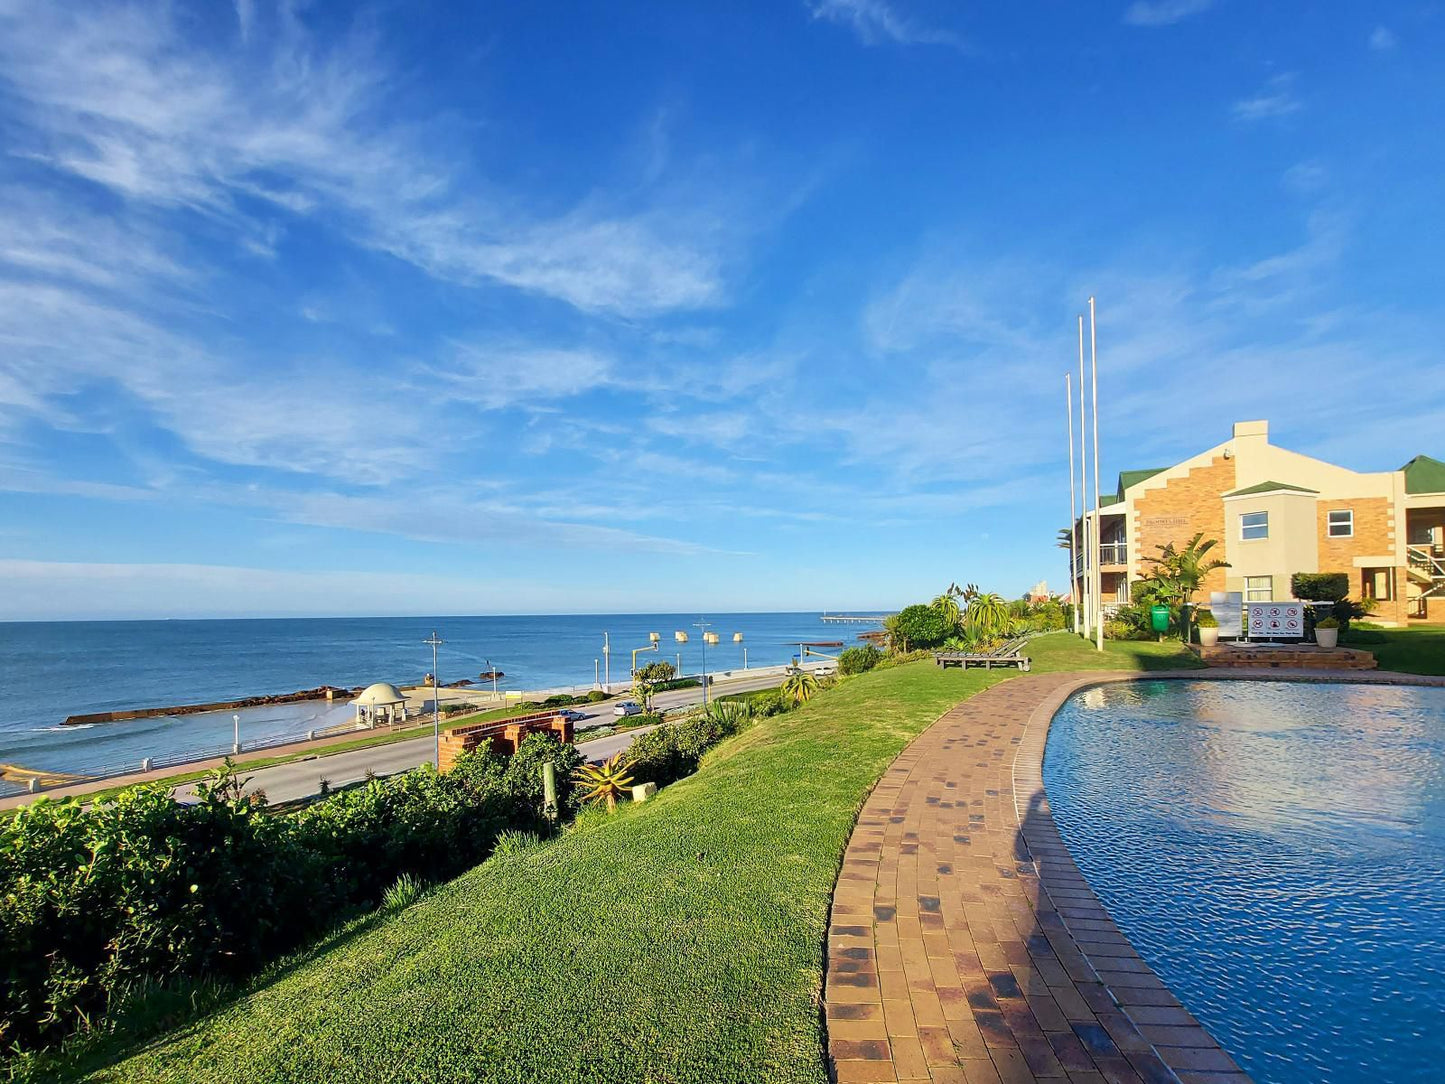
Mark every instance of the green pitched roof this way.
pixel 1129 478
pixel 1270 487
pixel 1424 475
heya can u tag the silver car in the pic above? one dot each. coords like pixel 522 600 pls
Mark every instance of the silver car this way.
pixel 627 707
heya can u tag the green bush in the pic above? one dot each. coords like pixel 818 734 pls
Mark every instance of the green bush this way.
pixel 920 626
pixel 1327 623
pixel 858 660
pixel 771 702
pixel 1205 619
pixel 596 696
pixel 1320 586
pixel 139 890
pixel 673 751
pixel 890 661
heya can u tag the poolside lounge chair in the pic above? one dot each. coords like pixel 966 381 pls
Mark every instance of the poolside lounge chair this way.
pixel 1009 654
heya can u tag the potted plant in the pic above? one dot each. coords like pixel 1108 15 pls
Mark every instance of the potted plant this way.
pixel 1327 632
pixel 1208 626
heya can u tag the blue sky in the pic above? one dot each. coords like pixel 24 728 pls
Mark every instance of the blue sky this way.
pixel 557 307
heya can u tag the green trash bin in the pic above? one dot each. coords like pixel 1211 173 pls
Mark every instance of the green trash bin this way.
pixel 1159 618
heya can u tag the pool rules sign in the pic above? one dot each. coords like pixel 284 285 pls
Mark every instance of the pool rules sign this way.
pixel 1276 620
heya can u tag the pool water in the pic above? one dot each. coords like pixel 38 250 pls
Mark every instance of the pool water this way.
pixel 1276 852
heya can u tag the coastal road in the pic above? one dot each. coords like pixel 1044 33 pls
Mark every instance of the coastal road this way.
pixel 302 778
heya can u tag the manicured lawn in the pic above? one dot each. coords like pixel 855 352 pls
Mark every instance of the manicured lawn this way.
pixel 1411 651
pixel 679 940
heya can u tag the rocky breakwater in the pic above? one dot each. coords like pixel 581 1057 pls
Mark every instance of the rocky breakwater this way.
pixel 323 692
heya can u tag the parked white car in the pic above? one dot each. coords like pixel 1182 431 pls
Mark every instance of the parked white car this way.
pixel 627 707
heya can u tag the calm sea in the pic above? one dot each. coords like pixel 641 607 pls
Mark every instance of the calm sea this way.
pixel 49 670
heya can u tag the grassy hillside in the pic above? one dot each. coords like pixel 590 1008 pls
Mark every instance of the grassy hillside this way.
pixel 679 940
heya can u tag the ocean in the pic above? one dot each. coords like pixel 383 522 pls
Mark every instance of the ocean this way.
pixel 51 670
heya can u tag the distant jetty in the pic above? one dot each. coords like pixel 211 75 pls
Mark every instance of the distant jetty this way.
pixel 854 619
pixel 324 692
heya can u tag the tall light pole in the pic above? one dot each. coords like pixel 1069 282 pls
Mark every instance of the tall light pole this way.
pixel 1085 590
pixel 704 626
pixel 1073 513
pixel 493 670
pixel 607 662
pixel 236 742
pixel 1098 520
pixel 436 706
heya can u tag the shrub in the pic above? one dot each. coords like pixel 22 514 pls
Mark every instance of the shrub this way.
pixel 1327 623
pixel 404 892
pixel 596 696
pixel 1205 619
pixel 671 752
pixel 919 626
pixel 138 890
pixel 1320 586
pixel 858 660
pixel 890 661
pixel 771 702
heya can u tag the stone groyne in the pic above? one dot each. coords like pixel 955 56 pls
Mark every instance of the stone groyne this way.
pixel 324 692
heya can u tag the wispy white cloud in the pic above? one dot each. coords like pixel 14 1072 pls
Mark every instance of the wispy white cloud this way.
pixel 1275 99
pixel 1382 39
pixel 283 127
pixel 879 21
pixel 1164 12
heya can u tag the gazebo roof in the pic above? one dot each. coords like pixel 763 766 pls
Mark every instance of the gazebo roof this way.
pixel 379 695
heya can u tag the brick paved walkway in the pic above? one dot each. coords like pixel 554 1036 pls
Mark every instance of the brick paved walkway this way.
pixel 966 947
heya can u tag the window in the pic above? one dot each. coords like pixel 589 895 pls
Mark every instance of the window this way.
pixel 1341 523
pixel 1259 588
pixel 1377 584
pixel 1254 525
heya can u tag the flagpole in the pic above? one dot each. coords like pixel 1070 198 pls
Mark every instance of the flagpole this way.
pixel 1086 590
pixel 1098 522
pixel 1073 508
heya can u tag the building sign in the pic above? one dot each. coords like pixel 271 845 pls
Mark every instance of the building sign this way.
pixel 1155 524
pixel 1276 620
pixel 1228 610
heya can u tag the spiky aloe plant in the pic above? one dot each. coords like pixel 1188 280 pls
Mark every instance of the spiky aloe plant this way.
pixel 800 685
pixel 606 782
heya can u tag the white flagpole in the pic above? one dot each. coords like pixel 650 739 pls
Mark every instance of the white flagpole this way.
pixel 1073 508
pixel 1085 588
pixel 1098 522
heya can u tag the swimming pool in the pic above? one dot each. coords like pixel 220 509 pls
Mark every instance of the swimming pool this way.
pixel 1276 852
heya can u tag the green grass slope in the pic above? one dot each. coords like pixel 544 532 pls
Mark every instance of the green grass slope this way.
pixel 679 940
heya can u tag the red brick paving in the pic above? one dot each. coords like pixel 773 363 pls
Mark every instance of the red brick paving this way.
pixel 966 947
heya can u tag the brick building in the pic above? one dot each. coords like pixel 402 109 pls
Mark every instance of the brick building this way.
pixel 1275 513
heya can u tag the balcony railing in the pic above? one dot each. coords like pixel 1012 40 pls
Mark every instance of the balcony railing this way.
pixel 1110 553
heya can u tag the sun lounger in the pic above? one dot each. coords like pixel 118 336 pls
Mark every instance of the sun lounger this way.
pixel 1009 654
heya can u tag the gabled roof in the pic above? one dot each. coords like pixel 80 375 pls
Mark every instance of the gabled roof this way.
pixel 1127 479
pixel 1424 475
pixel 1270 487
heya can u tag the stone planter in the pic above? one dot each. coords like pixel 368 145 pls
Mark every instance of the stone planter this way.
pixel 1208 637
pixel 1327 637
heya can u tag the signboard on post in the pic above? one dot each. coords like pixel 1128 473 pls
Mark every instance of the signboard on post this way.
pixel 1276 620
pixel 1228 610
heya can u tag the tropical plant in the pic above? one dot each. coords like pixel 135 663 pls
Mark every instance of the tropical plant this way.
pixel 1179 573
pixel 1065 539
pixel 1205 619
pixel 947 607
pixel 606 782
pixel 858 660
pixel 800 685
pixel 987 614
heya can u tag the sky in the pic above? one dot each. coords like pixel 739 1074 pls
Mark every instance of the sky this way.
pixel 469 308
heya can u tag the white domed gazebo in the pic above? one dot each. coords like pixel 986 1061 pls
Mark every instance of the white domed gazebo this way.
pixel 380 703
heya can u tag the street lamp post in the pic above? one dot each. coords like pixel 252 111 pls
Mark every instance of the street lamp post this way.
pixel 703 626
pixel 236 740
pixel 493 671
pixel 436 706
pixel 607 662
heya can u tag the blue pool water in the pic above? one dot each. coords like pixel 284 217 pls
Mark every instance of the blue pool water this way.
pixel 1276 852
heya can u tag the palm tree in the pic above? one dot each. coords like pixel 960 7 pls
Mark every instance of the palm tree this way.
pixel 608 781
pixel 1180 573
pixel 947 605
pixel 800 685
pixel 987 614
pixel 1066 539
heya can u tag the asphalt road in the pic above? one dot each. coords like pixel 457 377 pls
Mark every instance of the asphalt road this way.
pixel 302 778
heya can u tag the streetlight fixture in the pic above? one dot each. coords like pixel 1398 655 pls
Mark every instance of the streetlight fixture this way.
pixel 607 662
pixel 703 626
pixel 436 705
pixel 493 671
pixel 236 740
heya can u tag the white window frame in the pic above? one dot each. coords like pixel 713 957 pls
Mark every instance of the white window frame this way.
pixel 1243 527
pixel 1348 524
pixel 1268 588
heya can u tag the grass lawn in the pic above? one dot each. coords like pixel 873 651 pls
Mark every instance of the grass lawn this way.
pixel 678 940
pixel 1411 651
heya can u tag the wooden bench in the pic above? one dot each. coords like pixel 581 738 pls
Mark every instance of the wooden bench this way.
pixel 1009 654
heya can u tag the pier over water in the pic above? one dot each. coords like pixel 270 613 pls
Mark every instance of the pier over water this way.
pixel 856 619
